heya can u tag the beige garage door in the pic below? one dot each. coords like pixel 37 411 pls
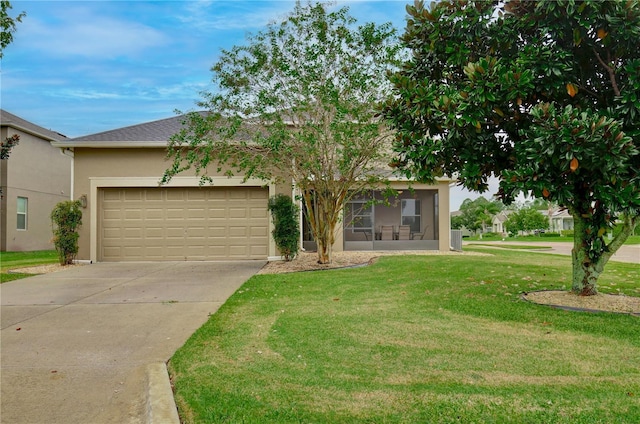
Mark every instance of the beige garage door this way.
pixel 156 224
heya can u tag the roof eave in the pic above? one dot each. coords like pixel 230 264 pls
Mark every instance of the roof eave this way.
pixel 30 131
pixel 111 144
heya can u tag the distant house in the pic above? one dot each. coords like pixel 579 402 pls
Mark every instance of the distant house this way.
pixel 34 178
pixel 560 220
pixel 498 220
pixel 129 217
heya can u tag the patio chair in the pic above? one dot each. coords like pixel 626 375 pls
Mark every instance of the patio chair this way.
pixel 419 236
pixel 404 232
pixel 386 232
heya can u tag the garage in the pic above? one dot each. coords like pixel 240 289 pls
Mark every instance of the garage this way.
pixel 183 223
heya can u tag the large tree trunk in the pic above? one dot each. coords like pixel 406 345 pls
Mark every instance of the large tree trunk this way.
pixel 585 273
pixel 323 213
pixel 324 251
pixel 590 253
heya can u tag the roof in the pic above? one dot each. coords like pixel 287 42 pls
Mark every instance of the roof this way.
pixel 561 213
pixel 502 216
pixel 148 134
pixel 10 120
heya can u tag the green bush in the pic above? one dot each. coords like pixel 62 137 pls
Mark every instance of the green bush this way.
pixel 286 231
pixel 66 218
pixel 549 235
pixel 567 233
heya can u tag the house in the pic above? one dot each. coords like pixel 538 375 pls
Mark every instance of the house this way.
pixel 560 220
pixel 34 178
pixel 498 220
pixel 128 216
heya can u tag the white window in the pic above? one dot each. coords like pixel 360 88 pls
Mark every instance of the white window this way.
pixel 411 214
pixel 22 213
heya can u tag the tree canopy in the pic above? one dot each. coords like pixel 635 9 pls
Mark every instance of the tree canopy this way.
pixel 526 220
pixel 478 213
pixel 544 94
pixel 7 25
pixel 298 102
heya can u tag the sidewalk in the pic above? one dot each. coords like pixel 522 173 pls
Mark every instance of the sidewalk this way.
pixel 627 253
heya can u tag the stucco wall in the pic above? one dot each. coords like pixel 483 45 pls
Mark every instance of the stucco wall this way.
pixel 41 173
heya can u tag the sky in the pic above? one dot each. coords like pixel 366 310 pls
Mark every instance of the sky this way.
pixel 82 67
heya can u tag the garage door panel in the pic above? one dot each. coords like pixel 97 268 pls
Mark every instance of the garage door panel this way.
pixel 256 232
pixel 133 195
pixel 183 223
pixel 175 195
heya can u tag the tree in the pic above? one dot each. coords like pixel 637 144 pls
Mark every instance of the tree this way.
pixel 526 220
pixel 299 103
pixel 7 25
pixel 477 214
pixel 8 144
pixel 457 222
pixel 544 94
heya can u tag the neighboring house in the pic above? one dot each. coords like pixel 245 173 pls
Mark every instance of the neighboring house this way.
pixel 34 178
pixel 498 220
pixel 129 217
pixel 560 220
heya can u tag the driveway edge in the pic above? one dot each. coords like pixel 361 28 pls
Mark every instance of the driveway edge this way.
pixel 161 407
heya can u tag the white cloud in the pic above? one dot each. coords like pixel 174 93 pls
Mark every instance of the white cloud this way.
pixel 207 15
pixel 80 31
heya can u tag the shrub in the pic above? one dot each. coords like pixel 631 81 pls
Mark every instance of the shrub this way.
pixel 286 231
pixel 567 233
pixel 549 235
pixel 66 218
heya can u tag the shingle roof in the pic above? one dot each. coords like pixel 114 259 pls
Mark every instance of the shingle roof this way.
pixel 11 120
pixel 154 131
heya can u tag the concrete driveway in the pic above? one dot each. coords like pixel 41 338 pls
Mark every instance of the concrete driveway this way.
pixel 76 343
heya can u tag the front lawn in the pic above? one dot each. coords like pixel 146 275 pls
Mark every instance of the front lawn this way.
pixel 414 339
pixel 14 260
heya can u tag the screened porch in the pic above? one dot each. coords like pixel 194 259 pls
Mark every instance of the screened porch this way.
pixel 406 222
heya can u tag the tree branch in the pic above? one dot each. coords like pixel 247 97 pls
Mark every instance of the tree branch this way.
pixel 610 71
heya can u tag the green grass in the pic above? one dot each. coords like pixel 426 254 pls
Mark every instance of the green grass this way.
pixel 13 260
pixel 513 246
pixel 414 339
pixel 536 239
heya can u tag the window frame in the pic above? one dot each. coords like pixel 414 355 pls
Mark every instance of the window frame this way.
pixel 24 214
pixel 417 217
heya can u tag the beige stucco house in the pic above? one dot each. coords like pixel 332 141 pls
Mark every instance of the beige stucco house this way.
pixel 129 217
pixel 34 178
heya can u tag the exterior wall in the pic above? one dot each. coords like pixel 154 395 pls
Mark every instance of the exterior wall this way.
pixel 135 167
pixel 41 173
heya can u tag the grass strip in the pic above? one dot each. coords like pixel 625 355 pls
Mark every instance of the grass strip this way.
pixel 17 260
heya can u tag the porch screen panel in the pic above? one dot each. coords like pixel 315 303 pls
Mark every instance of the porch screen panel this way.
pixel 411 214
pixel 361 216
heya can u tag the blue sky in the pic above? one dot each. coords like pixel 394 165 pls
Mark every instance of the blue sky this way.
pixel 81 67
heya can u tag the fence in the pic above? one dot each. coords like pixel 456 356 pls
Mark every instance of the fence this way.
pixel 456 240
